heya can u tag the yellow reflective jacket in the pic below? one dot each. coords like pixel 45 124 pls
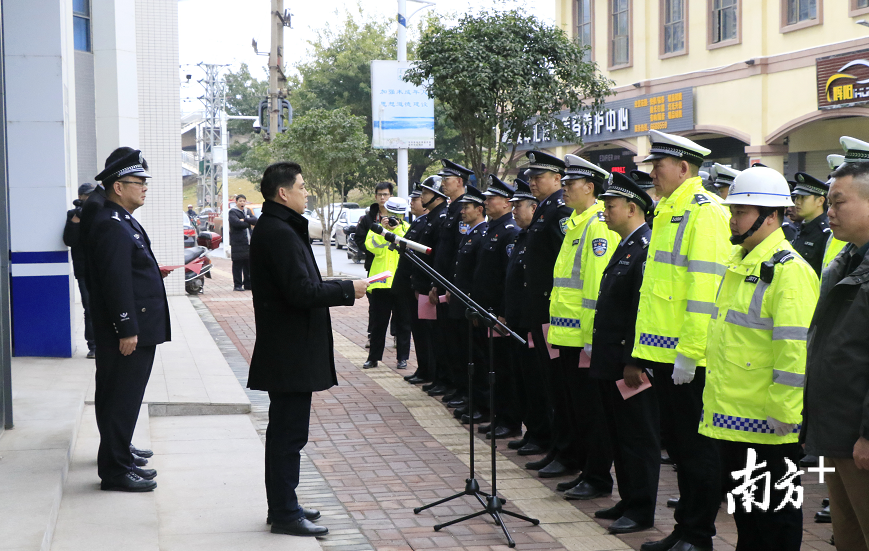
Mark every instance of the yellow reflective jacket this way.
pixel 756 349
pixel 585 252
pixel 384 258
pixel 831 250
pixel 687 254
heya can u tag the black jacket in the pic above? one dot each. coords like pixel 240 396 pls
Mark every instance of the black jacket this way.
pixel 617 304
pixel 239 232
pixel 72 239
pixel 545 235
pixel 836 398
pixel 515 311
pixel 127 296
pixel 811 240
pixel 293 350
pixel 491 271
pixel 462 274
pixel 428 236
pixel 449 239
pixel 371 217
pixel 401 280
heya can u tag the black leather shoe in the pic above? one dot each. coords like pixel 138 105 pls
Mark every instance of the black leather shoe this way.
pixel 665 460
pixel 825 502
pixel 310 514
pixel 661 545
pixel 300 527
pixel 461 410
pixel 428 386
pixel 682 545
pixel 584 491
pixel 438 391
pixel 139 461
pixel 531 449
pixel 416 380
pixel 451 396
pixel 672 502
pixel 624 525
pixel 478 418
pixel 413 375
pixel 147 474
pixel 402 364
pixel 91 355
pixel 504 432
pixel 238 288
pixel 130 482
pixel 516 444
pixel 369 364
pixel 568 484
pixel 147 454
pixel 540 463
pixel 823 516
pixel 809 461
pixel 457 403
pixel 613 513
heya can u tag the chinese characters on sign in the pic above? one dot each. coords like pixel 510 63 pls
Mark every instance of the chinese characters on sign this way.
pixel 402 114
pixel 670 111
pixel 843 80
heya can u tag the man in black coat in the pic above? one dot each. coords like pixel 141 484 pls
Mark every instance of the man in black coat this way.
pixel 632 423
pixel 293 355
pixel 130 317
pixel 72 238
pixel 241 221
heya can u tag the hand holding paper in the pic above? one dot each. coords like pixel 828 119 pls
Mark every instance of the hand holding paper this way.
pixel 627 392
pixel 379 278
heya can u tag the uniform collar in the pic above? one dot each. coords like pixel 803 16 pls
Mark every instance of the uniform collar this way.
pixel 501 221
pixel 683 193
pixel 628 238
pixel 764 251
pixel 816 221
pixel 578 219
pixel 470 229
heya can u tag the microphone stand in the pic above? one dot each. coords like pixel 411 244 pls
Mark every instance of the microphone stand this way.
pixel 492 504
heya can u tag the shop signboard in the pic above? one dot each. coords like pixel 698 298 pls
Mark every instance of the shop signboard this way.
pixel 671 111
pixel 403 114
pixel 843 80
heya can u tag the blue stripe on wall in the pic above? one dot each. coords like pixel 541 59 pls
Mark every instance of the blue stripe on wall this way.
pixel 41 316
pixel 40 257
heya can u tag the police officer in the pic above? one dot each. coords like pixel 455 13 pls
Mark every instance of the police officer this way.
pixel 408 297
pixel 470 347
pixel 130 314
pixel 454 177
pixel 722 177
pixel 756 356
pixel 72 238
pixel 487 290
pixel 810 200
pixel 545 235
pixel 645 183
pixel 686 257
pixel 632 423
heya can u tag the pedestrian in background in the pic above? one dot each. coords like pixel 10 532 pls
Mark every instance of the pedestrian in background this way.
pixel 241 222
pixel 294 354
pixel 377 211
pixel 72 239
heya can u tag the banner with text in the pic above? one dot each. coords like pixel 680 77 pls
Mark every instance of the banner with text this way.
pixel 402 114
pixel 843 80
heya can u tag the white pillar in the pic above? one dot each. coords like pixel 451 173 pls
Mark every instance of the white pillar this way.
pixel 401 168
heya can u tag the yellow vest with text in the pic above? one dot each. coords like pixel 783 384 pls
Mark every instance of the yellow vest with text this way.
pixel 585 252
pixel 384 258
pixel 756 348
pixel 687 254
pixel 831 251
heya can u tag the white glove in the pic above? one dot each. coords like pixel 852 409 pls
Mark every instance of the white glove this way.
pixel 588 350
pixel 781 429
pixel 683 369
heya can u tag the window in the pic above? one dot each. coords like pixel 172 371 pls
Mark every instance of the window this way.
pixel 861 4
pixel 584 26
pixel 801 10
pixel 858 7
pixel 81 25
pixel 620 33
pixel 724 21
pixel 674 26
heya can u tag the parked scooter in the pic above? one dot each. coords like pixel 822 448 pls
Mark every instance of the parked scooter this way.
pixel 194 283
pixel 353 252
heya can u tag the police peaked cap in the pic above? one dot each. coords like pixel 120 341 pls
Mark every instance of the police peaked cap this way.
pixel 523 191
pixel 809 185
pixel 123 162
pixel 723 176
pixel 540 163
pixel 577 167
pixel 835 161
pixel 642 179
pixel 86 189
pixel 416 192
pixel 497 187
pixel 856 151
pixel 472 195
pixel 670 145
pixel 449 168
pixel 627 188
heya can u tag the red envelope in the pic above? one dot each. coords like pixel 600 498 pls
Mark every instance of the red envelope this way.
pixel 627 391
pixel 426 310
pixel 442 299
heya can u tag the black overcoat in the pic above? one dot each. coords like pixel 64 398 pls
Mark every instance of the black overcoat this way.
pixel 239 231
pixel 293 350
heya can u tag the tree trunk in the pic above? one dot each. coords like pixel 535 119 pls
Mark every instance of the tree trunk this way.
pixel 327 243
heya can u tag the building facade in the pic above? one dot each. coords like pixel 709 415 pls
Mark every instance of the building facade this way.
pixel 771 81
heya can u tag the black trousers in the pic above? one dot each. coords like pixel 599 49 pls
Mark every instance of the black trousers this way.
pixel 241 273
pixel 88 323
pixel 452 353
pixel 696 456
pixel 762 530
pixel 420 330
pixel 634 428
pixel 508 406
pixel 383 304
pixel 478 353
pixel 286 435
pixel 531 390
pixel 564 437
pixel 120 387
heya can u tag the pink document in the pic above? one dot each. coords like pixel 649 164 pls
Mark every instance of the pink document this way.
pixel 627 391
pixel 426 310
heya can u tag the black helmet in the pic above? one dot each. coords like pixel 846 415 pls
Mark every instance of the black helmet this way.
pixel 433 184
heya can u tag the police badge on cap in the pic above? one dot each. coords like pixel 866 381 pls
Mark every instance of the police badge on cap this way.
pixel 449 168
pixel 642 179
pixel 472 195
pixel 809 185
pixel 856 151
pixel 523 191
pixel 627 188
pixel 540 163
pixel 123 161
pixel 498 187
pixel 670 145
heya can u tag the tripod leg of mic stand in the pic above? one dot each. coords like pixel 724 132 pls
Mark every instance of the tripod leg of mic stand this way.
pixel 500 522
pixel 458 520
pixel 417 510
pixel 533 521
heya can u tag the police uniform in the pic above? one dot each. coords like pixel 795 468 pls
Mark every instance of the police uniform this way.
pixel 686 257
pixel 127 299
pixel 722 176
pixel 487 290
pixel 812 236
pixel 633 424
pixel 643 180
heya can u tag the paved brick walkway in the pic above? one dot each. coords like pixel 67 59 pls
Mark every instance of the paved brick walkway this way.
pixel 383 448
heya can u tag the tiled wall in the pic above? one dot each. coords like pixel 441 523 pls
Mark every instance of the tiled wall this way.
pixel 159 131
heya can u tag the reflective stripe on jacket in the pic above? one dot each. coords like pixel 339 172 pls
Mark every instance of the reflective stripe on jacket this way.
pixel 384 258
pixel 756 349
pixel 585 252
pixel 686 260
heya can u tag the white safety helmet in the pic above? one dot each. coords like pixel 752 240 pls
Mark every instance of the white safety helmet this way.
pixel 396 205
pixel 760 186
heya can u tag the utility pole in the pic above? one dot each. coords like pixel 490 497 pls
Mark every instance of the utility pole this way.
pixel 277 79
pixel 212 100
pixel 401 168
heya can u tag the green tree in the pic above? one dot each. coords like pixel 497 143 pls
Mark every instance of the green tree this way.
pixel 499 73
pixel 244 92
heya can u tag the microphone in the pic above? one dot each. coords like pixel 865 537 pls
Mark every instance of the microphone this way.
pixel 400 241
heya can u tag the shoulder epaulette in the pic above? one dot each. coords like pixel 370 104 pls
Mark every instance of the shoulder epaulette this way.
pixel 115 216
pixel 645 241
pixel 600 216
pixel 509 226
pixel 701 199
